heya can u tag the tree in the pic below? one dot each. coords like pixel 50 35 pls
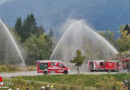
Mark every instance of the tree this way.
pixel 40 30
pixel 124 42
pixel 78 59
pixel 28 27
pixel 18 27
pixel 37 48
pixel 32 24
pixel 108 35
pixel 51 33
pixel 49 43
pixel 102 33
pixel 26 30
pixel 127 28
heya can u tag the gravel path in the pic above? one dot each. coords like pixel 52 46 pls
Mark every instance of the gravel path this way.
pixel 24 73
pixel 34 73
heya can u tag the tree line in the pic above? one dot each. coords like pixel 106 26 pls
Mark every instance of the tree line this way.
pixel 36 43
pixel 122 43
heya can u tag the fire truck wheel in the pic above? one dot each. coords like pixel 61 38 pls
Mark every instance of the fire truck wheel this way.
pixel 91 70
pixel 45 72
pixel 65 72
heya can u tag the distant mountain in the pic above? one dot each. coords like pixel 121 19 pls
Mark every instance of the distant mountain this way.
pixel 99 14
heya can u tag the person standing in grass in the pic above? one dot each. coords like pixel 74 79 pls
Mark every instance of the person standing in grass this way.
pixel 47 87
pixel 52 87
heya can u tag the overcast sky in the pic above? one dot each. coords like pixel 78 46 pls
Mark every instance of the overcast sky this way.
pixel 4 1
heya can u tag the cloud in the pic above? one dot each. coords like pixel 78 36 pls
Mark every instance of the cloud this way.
pixel 4 1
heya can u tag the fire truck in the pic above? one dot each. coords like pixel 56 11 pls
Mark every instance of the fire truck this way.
pixel 125 63
pixel 51 66
pixel 103 65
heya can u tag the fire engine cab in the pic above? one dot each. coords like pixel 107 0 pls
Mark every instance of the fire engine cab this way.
pixel 51 66
pixel 102 65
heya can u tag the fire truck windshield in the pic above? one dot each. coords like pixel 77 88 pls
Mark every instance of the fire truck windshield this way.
pixel 61 65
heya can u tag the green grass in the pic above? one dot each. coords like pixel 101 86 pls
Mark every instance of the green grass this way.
pixel 81 79
pixel 15 68
pixel 72 82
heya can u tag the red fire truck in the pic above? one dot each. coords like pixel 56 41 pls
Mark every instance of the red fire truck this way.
pixel 125 63
pixel 102 65
pixel 51 66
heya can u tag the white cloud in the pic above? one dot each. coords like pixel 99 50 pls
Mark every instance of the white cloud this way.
pixel 4 1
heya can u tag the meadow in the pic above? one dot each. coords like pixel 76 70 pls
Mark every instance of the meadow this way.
pixel 71 82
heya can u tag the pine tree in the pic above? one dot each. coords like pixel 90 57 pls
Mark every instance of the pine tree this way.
pixel 29 27
pixel 51 33
pixel 49 44
pixel 18 27
pixel 39 31
pixel 127 28
pixel 26 30
pixel 32 22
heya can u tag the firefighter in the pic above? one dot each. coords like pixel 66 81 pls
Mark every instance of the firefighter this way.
pixel 52 87
pixel 47 87
pixel 126 85
pixel 42 88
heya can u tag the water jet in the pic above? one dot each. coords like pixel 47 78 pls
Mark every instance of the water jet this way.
pixel 78 35
pixel 9 47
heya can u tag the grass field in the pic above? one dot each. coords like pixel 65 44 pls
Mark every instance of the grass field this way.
pixel 14 68
pixel 72 82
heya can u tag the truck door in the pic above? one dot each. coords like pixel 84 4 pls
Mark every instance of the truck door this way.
pixel 102 66
pixel 53 68
pixel 91 66
pixel 61 68
pixel 43 66
pixel 111 66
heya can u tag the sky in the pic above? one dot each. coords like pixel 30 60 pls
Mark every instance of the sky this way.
pixel 4 1
pixel 52 14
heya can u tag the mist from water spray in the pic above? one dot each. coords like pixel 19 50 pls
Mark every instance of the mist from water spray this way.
pixel 9 35
pixel 78 35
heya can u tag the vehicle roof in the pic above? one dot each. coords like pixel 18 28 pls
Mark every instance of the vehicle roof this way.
pixel 49 61
pixel 126 60
pixel 103 60
pixel 96 60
